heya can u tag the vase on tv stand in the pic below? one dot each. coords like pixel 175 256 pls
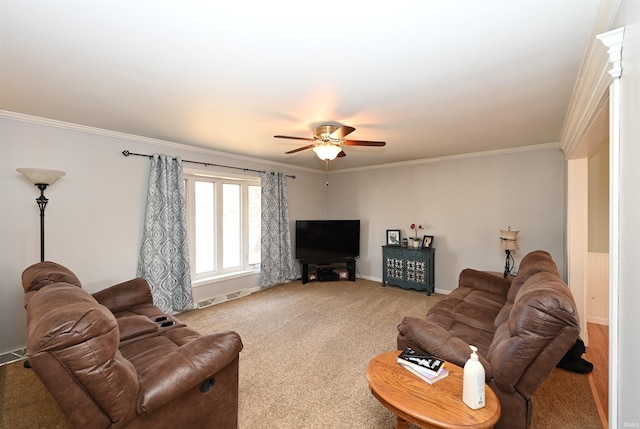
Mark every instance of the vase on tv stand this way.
pixel 415 241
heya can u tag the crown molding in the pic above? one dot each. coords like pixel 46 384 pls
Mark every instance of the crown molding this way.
pixel 591 88
pixel 180 146
pixel 140 139
pixel 470 155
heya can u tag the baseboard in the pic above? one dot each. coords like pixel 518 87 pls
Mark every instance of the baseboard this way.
pixel 223 298
pixel 602 413
pixel 13 356
pixel 598 320
pixel 379 280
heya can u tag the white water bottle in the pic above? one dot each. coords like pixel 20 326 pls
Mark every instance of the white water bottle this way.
pixel 473 384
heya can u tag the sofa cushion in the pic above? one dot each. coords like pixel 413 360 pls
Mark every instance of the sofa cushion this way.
pixel 503 315
pixel 64 315
pixel 440 340
pixel 135 326
pixel 123 296
pixel 45 273
pixel 459 311
pixel 542 314
pixel 469 331
pixel 177 361
pixel 483 281
pixel 533 263
pixel 470 310
pixel 71 339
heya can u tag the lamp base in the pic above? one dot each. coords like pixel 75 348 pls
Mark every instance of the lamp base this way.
pixel 42 204
pixel 508 263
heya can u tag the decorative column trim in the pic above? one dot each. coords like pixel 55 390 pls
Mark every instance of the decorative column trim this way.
pixel 613 40
pixel 592 86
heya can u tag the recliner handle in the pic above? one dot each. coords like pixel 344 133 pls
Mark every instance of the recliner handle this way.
pixel 207 384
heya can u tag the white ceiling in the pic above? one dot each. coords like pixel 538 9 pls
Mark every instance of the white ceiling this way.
pixel 431 78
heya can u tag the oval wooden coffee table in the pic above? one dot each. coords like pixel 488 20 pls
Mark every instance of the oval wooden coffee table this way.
pixel 428 406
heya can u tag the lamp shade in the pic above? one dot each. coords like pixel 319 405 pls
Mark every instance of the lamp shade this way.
pixel 327 151
pixel 508 239
pixel 40 176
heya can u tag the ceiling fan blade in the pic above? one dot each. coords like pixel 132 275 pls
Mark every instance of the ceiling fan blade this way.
pixel 309 146
pixel 363 143
pixel 341 154
pixel 294 138
pixel 342 132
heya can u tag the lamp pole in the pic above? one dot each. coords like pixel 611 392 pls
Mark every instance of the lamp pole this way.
pixel 42 204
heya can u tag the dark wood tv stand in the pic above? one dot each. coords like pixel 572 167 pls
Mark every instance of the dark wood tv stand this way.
pixel 328 269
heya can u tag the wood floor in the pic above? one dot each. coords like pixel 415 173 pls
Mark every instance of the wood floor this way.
pixel 598 354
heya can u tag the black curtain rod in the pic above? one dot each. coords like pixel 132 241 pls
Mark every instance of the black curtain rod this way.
pixel 206 164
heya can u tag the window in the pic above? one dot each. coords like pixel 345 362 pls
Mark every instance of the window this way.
pixel 224 225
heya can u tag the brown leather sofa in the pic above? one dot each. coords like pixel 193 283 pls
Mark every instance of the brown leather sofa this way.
pixel 522 329
pixel 114 360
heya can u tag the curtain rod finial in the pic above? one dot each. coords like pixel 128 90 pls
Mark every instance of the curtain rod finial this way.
pixel 126 152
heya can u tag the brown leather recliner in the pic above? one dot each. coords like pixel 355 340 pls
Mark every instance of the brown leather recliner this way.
pixel 114 360
pixel 522 330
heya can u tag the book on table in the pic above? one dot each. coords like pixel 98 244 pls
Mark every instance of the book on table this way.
pixel 422 362
pixel 429 378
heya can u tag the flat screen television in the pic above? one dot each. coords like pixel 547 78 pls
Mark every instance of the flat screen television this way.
pixel 326 239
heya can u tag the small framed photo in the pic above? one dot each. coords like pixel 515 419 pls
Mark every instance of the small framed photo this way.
pixel 393 237
pixel 427 241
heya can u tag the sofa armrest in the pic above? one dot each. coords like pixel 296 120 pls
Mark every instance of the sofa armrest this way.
pixel 436 340
pixel 125 295
pixel 482 280
pixel 135 326
pixel 184 369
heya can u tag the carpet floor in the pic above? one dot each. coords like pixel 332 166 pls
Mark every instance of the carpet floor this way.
pixel 306 348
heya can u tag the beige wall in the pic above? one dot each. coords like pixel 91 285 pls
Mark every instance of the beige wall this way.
pixel 463 203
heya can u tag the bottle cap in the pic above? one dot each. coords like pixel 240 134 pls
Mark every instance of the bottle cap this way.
pixel 474 349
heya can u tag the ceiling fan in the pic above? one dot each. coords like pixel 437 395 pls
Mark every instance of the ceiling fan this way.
pixel 328 141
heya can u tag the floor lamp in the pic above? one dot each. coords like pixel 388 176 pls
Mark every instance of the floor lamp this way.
pixel 508 243
pixel 41 178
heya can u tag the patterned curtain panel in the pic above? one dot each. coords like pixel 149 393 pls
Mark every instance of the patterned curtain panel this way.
pixel 278 264
pixel 164 255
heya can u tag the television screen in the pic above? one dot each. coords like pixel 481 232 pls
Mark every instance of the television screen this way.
pixel 325 239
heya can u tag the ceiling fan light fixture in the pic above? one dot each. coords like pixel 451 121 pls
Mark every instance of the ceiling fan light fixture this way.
pixel 327 151
pixel 328 140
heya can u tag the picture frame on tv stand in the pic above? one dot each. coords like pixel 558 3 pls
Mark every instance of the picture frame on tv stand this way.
pixel 393 237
